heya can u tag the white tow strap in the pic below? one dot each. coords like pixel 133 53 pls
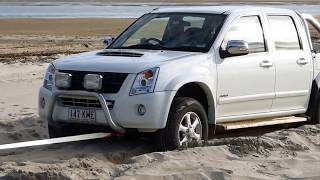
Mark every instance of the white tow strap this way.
pixel 55 140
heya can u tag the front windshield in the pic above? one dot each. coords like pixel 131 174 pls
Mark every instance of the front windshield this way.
pixel 171 31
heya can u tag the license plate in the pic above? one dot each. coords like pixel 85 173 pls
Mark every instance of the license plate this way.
pixel 82 114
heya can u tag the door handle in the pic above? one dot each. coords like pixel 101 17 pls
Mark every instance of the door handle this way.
pixel 302 61
pixel 266 64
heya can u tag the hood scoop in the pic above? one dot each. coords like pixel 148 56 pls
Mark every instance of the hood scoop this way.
pixel 119 53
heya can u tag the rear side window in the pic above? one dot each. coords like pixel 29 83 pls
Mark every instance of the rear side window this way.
pixel 284 33
pixel 248 29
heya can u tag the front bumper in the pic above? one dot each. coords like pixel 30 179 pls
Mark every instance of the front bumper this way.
pixel 123 115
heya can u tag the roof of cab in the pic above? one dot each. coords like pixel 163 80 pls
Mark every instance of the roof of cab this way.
pixel 220 9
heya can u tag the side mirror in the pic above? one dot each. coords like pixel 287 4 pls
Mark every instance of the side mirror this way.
pixel 237 48
pixel 107 41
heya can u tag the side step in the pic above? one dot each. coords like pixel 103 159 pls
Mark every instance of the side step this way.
pixel 260 122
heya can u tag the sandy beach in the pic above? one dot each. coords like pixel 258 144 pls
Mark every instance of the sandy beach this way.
pixel 26 48
pixel 38 40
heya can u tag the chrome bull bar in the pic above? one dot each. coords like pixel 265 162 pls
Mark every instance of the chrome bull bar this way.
pixel 99 96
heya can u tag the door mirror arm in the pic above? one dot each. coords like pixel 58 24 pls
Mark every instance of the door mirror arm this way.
pixel 223 53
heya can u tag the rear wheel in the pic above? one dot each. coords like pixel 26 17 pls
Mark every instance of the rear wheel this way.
pixel 186 125
pixel 316 114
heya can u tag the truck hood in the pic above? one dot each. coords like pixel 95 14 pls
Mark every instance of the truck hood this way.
pixel 122 61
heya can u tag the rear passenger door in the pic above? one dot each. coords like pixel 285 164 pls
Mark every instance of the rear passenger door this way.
pixel 293 63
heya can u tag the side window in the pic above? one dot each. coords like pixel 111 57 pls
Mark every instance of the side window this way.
pixel 248 29
pixel 284 33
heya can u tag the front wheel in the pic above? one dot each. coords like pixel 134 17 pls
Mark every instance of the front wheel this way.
pixel 316 114
pixel 187 125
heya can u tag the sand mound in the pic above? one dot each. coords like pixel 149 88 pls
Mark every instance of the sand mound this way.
pixel 28 128
pixel 292 153
pixel 85 168
pixel 297 139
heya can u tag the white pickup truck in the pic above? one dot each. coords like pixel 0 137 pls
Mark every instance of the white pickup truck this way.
pixel 178 72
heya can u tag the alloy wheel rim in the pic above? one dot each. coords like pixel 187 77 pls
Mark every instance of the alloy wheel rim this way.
pixel 190 129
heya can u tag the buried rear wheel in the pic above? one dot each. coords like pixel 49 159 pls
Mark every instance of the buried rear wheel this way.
pixel 316 114
pixel 186 126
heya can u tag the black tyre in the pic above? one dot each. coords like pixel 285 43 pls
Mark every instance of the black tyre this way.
pixel 315 119
pixel 187 125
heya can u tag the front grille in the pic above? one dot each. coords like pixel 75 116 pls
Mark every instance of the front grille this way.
pixel 83 102
pixel 111 82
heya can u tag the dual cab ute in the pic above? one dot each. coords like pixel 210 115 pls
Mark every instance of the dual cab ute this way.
pixel 177 72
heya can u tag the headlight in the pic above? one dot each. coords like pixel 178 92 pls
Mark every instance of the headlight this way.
pixel 48 78
pixel 145 82
pixel 62 80
pixel 92 82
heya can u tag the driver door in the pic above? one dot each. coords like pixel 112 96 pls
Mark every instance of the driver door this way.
pixel 245 83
